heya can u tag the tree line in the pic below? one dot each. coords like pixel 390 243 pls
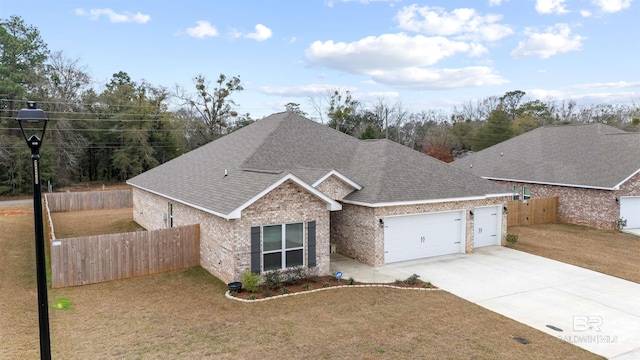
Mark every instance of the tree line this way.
pixel 126 127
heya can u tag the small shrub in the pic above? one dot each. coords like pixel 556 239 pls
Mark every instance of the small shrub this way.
pixel 250 281
pixel 284 290
pixel 326 285
pixel 306 286
pixel 399 282
pixel 252 297
pixel 428 284
pixel 295 274
pixel 272 280
pixel 512 239
pixel 622 223
pixel 412 280
pixel 351 281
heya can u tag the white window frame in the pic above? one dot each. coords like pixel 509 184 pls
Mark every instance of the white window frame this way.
pixel 516 192
pixel 283 249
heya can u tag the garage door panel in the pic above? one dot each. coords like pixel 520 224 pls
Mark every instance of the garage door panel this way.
pixel 485 226
pixel 630 211
pixel 418 236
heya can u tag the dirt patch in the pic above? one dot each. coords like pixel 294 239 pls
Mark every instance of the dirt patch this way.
pixel 15 212
pixel 608 252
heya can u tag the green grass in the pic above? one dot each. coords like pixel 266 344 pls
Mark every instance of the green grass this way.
pixel 62 303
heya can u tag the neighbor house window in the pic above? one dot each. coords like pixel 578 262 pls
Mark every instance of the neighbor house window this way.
pixel 282 246
pixel 516 192
pixel 170 214
pixel 526 193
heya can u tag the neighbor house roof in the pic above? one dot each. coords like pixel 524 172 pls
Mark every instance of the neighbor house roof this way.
pixel 286 146
pixel 589 155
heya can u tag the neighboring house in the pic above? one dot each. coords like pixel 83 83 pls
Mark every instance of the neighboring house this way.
pixel 593 169
pixel 285 190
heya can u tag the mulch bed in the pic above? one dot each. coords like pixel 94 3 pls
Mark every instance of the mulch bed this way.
pixel 320 282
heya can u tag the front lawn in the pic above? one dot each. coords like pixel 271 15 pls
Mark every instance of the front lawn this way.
pixel 615 254
pixel 185 315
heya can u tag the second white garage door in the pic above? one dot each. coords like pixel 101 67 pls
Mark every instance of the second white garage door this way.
pixel 486 225
pixel 418 236
pixel 630 211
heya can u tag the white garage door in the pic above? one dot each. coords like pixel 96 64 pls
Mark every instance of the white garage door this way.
pixel 630 210
pixel 417 236
pixel 486 225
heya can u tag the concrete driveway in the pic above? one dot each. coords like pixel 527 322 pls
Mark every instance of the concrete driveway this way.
pixel 594 311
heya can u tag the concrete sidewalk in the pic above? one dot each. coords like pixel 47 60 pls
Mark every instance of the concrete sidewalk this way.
pixel 594 311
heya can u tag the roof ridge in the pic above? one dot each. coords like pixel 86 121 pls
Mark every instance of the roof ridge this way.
pixel 264 139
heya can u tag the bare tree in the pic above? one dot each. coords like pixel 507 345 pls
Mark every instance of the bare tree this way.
pixel 213 102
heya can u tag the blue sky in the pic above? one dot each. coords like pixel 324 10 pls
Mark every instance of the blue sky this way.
pixel 425 54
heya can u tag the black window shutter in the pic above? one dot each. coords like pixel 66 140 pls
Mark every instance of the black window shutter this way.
pixel 311 244
pixel 255 249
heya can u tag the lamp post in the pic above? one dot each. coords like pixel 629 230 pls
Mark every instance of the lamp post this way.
pixel 33 119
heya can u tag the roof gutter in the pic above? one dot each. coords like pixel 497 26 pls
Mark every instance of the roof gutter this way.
pixel 554 184
pixel 420 202
pixel 224 216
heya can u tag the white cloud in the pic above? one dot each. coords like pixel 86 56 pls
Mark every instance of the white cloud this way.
pixel 612 6
pixel 385 59
pixel 114 17
pixel 202 29
pixel 388 51
pixel 585 13
pixel 463 23
pixel 495 2
pixel 304 90
pixel 551 7
pixel 608 85
pixel 586 98
pixel 261 33
pixel 428 79
pixel 554 40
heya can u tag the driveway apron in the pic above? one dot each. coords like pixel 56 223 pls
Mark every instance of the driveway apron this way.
pixel 594 311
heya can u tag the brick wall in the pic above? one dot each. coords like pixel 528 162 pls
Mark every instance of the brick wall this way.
pixel 225 245
pixel 335 188
pixel 587 207
pixel 288 203
pixel 216 234
pixel 357 232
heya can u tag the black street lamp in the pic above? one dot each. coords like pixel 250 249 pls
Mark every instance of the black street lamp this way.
pixel 33 119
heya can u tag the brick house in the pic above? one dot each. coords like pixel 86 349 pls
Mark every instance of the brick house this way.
pixel 593 169
pixel 285 190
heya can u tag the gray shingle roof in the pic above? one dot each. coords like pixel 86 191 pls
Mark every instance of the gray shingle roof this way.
pixel 591 155
pixel 262 153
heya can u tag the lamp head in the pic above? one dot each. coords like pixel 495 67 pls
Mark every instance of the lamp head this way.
pixel 31 120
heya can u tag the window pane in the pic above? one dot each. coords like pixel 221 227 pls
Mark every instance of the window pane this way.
pixel 294 235
pixel 273 261
pixel 526 193
pixel 516 192
pixel 272 238
pixel 294 258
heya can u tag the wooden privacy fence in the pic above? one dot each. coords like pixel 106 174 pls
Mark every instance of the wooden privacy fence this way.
pixel 93 259
pixel 89 200
pixel 533 211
